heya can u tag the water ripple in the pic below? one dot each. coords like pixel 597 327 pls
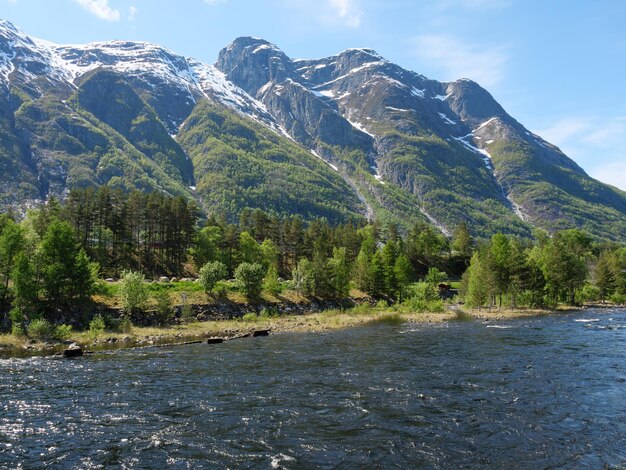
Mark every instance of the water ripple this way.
pixel 532 393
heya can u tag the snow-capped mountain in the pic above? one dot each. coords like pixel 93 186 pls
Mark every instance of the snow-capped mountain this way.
pixel 394 144
pixel 161 74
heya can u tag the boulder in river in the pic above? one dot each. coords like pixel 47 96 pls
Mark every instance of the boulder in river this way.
pixel 214 340
pixel 73 351
pixel 261 333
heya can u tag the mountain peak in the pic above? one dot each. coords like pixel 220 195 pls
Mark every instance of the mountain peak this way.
pixel 4 24
pixel 251 44
pixel 361 51
pixel 252 62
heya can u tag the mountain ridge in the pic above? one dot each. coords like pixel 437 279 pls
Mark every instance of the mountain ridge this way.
pixel 408 148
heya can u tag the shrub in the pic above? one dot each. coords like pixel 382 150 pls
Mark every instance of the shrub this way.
pixel 125 325
pixel 362 308
pixel 417 305
pixel 17 322
pixel 164 311
pixel 382 305
pixel 133 291
pixel 423 291
pixel 268 313
pixel 588 293
pixel 210 274
pixel 96 326
pixel 40 329
pixel 271 283
pixel 63 332
pixel 248 317
pixel 302 276
pixel 186 314
pixel 17 329
pixel 250 279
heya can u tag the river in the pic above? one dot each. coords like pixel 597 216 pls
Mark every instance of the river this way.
pixel 543 392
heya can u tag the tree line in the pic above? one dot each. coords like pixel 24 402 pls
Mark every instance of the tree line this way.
pixel 50 261
pixel 569 267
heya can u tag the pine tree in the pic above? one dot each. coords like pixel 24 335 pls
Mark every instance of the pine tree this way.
pixel 362 274
pixel 389 255
pixel 499 257
pixel 340 272
pixel 12 242
pixel 403 272
pixel 25 285
pixel 604 276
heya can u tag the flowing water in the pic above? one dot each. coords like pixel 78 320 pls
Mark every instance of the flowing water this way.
pixel 544 392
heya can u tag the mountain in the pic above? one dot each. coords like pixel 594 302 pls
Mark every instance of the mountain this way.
pixel 342 137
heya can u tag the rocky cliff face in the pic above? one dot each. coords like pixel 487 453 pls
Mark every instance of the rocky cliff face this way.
pixel 451 146
pixel 394 144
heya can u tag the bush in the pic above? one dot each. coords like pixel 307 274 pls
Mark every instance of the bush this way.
pixel 63 332
pixel 96 326
pixel 250 279
pixel 302 276
pixel 17 329
pixel 382 305
pixel 249 317
pixel 17 322
pixel 423 291
pixel 125 325
pixel 588 293
pixel 164 312
pixel 210 274
pixel 619 299
pixel 364 308
pixel 40 329
pixel 271 283
pixel 133 291
pixel 186 314
pixel 268 313
pixel 418 305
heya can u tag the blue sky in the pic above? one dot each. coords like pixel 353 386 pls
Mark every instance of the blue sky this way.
pixel 558 66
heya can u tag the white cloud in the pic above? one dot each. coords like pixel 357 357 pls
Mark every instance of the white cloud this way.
pixel 100 8
pixel 132 12
pixel 597 144
pixel 455 58
pixel 347 12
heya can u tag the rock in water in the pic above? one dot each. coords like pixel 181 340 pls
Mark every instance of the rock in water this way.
pixel 261 333
pixel 73 351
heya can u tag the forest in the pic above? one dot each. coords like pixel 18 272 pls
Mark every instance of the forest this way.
pixel 61 258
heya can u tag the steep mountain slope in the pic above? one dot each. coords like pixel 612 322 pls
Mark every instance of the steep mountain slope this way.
pixel 107 113
pixel 450 145
pixel 240 164
pixel 252 131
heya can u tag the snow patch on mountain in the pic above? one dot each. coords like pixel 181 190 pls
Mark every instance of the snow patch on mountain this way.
pixel 417 92
pixel 334 167
pixel 433 221
pixel 377 174
pixel 446 119
pixel 486 123
pixel 359 126
pixel 473 148
pixel 442 97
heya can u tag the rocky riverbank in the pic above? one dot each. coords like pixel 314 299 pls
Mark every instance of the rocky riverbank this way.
pixel 228 329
